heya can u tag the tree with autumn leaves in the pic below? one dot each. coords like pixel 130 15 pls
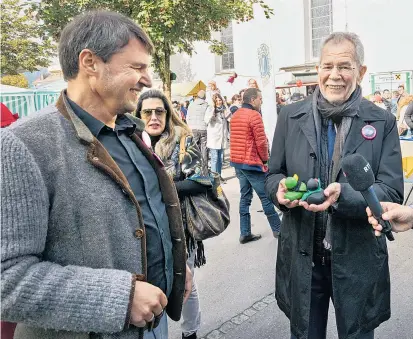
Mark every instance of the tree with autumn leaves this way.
pixel 173 25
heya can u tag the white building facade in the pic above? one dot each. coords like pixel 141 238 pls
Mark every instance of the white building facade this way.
pixel 285 48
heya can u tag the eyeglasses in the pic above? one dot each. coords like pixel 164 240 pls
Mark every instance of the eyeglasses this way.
pixel 159 112
pixel 345 70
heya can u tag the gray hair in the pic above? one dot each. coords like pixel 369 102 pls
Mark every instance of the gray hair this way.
pixel 104 33
pixel 249 94
pixel 339 37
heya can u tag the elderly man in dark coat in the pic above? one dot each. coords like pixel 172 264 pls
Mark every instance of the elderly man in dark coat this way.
pixel 329 250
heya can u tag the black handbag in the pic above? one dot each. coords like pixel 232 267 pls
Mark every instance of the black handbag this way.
pixel 207 214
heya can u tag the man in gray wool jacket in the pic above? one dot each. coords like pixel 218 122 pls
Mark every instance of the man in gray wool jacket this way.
pixel 92 243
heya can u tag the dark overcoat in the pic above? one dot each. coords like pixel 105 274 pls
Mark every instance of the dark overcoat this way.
pixel 360 272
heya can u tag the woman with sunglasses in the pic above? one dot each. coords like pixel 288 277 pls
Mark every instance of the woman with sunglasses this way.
pixel 167 134
pixel 216 118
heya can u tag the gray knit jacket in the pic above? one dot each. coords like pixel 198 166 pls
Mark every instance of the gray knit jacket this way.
pixel 72 235
pixel 196 114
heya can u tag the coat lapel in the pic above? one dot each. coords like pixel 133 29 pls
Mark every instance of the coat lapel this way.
pixel 355 136
pixel 305 119
pixel 97 155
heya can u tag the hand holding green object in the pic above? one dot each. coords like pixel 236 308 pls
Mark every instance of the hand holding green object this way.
pixel 296 188
pixel 315 194
pixel 310 192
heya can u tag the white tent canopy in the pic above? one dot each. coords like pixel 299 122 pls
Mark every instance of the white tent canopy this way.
pixel 6 89
pixel 26 101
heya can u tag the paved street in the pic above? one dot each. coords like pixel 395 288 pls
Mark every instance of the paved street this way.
pixel 236 285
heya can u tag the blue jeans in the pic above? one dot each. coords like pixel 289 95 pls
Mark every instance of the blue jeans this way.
pixel 160 332
pixel 216 160
pixel 249 181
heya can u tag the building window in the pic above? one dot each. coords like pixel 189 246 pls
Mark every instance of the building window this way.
pixel 321 24
pixel 227 59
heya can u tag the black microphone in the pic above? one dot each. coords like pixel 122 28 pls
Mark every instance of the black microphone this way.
pixel 361 178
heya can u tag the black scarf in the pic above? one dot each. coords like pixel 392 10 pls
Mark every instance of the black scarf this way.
pixel 220 111
pixel 348 108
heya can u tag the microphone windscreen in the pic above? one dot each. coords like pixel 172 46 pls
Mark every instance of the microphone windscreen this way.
pixel 358 172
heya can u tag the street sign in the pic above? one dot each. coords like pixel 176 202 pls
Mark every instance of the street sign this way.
pixel 391 80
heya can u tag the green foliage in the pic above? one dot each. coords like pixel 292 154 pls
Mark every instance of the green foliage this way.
pixel 173 25
pixel 18 80
pixel 24 47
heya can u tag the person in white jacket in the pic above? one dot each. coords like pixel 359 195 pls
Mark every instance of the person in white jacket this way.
pixel 217 131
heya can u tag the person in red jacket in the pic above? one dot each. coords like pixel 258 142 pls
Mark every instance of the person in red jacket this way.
pixel 7 117
pixel 249 156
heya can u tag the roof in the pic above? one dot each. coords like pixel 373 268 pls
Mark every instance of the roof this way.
pixel 6 89
pixel 299 68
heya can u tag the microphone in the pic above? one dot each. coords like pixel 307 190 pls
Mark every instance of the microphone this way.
pixel 361 178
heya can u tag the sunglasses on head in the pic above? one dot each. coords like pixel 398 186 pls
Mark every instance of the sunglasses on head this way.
pixel 159 112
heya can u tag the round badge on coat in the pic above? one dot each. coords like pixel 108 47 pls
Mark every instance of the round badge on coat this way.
pixel 146 139
pixel 369 132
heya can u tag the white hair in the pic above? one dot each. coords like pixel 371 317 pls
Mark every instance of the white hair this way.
pixel 339 37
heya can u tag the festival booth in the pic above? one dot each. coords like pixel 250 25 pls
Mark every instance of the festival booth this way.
pixel 17 100
pixel 180 91
pixel 26 101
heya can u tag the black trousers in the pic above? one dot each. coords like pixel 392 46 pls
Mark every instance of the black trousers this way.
pixel 321 292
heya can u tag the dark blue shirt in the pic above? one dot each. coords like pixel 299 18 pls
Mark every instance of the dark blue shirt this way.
pixel 145 186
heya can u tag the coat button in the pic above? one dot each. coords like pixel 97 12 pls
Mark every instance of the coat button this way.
pixel 124 191
pixel 95 158
pixel 304 253
pixel 139 233
pixel 312 155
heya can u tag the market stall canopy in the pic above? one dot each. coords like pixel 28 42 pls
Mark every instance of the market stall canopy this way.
pixel 26 101
pixel 17 100
pixel 6 89
pixel 187 89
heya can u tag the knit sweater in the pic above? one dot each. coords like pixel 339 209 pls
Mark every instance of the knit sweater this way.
pixel 72 232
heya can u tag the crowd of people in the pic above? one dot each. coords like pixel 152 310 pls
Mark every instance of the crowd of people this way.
pixel 96 239
pixel 400 104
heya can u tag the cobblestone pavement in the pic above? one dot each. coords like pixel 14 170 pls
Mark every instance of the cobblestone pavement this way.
pixel 236 285
pixel 231 324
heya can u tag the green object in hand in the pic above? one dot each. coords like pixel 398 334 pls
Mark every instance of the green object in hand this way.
pixel 296 188
pixel 293 195
pixel 315 194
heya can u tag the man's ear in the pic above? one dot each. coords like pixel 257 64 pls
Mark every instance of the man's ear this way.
pixel 88 62
pixel 362 72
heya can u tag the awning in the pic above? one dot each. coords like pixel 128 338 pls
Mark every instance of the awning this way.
pixel 292 84
pixel 26 101
pixel 187 89
pixel 299 68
